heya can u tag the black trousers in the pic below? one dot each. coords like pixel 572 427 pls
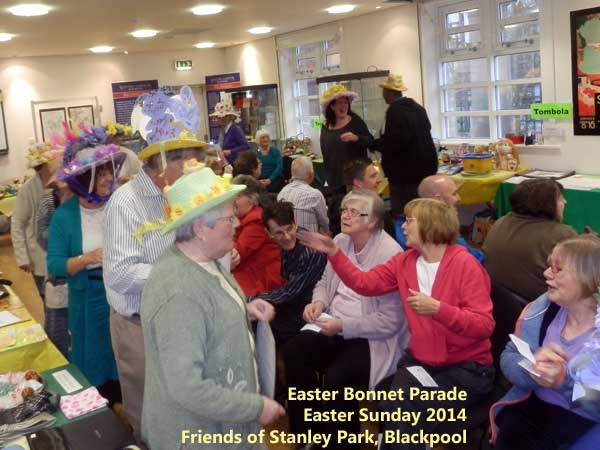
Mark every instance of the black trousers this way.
pixel 400 195
pixel 537 425
pixel 476 379
pixel 340 363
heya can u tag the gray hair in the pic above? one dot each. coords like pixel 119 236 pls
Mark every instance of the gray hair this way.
pixel 260 133
pixel 253 187
pixel 302 168
pixel 375 205
pixel 185 232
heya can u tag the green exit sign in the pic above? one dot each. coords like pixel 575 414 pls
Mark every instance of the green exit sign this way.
pixel 183 64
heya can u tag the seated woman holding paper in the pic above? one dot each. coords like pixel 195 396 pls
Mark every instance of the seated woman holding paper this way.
pixel 550 406
pixel 362 339
pixel 446 297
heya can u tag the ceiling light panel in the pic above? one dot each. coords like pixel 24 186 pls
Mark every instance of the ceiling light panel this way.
pixel 204 45
pixel 29 10
pixel 206 10
pixel 340 9
pixel 101 49
pixel 260 30
pixel 144 33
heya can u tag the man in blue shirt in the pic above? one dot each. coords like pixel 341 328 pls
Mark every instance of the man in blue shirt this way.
pixel 438 187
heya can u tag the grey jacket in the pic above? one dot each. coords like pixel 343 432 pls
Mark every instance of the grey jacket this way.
pixel 383 322
pixel 200 372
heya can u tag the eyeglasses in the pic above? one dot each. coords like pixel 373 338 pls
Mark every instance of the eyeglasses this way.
pixel 410 219
pixel 230 219
pixel 352 212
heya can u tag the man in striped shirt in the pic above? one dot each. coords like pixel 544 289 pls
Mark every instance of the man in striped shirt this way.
pixel 301 266
pixel 310 209
pixel 127 261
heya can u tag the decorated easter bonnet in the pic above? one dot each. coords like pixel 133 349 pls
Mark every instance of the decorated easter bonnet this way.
pixel 85 152
pixel 196 192
pixel 224 109
pixel 42 153
pixel 335 92
pixel 167 123
pixel 394 83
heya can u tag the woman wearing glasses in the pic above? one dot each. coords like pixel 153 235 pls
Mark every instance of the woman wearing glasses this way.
pixel 544 410
pixel 360 339
pixel 446 297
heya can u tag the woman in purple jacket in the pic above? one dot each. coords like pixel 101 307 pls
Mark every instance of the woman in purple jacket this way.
pixel 231 138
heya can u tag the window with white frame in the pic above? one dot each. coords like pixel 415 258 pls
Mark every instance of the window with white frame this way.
pixel 312 61
pixel 489 68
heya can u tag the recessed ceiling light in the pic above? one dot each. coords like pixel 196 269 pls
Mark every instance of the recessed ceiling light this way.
pixel 144 33
pixel 260 30
pixel 204 45
pixel 206 10
pixel 29 9
pixel 378 7
pixel 339 9
pixel 101 49
pixel 6 37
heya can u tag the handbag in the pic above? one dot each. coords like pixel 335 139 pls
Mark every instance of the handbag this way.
pixel 57 295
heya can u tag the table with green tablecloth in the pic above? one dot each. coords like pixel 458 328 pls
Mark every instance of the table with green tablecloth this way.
pixel 582 206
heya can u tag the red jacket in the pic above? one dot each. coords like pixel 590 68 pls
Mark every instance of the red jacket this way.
pixel 460 331
pixel 260 266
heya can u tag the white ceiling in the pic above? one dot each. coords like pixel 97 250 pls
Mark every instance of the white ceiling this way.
pixel 73 26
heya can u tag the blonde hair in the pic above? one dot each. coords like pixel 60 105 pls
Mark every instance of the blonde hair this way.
pixel 583 252
pixel 438 222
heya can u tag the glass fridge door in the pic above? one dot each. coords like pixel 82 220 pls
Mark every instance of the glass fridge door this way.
pixel 259 109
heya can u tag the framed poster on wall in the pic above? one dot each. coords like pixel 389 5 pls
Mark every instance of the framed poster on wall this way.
pixel 3 134
pixel 51 121
pixel 81 114
pixel 585 66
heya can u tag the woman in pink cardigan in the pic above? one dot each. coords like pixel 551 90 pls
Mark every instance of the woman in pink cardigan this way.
pixel 446 297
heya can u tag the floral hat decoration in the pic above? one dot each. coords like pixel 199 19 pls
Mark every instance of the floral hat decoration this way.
pixel 85 150
pixel 167 123
pixel 193 194
pixel 224 109
pixel 333 93
pixel 39 153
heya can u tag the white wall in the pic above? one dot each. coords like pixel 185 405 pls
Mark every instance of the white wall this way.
pixel 50 78
pixel 387 39
pixel 256 61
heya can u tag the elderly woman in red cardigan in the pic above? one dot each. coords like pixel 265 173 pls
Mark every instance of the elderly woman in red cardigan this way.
pixel 446 298
pixel 259 266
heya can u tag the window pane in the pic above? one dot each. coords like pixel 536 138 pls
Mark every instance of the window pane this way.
pixel 466 127
pixel 520 31
pixel 473 99
pixel 333 60
pixel 519 125
pixel 308 107
pixel 518 96
pixel 306 87
pixel 518 8
pixel 468 39
pixel 306 65
pixel 467 71
pixel 518 66
pixel 307 50
pixel 332 44
pixel 463 18
pixel 306 127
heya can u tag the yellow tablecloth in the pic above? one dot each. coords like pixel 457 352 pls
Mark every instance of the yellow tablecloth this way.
pixel 476 189
pixel 39 356
pixel 7 205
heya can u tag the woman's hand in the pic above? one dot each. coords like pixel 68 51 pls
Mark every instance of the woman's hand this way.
pixel 349 137
pixel 265 182
pixel 271 411
pixel 330 327
pixel 312 311
pixel 258 309
pixel 227 152
pixel 422 304
pixel 318 242
pixel 551 364
pixel 236 259
pixel 93 257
